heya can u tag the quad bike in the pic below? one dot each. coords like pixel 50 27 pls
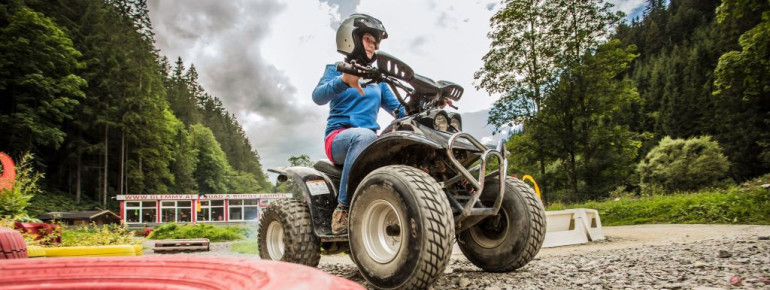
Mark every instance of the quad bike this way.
pixel 422 184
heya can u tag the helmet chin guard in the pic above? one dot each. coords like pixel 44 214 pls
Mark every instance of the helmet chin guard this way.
pixel 350 37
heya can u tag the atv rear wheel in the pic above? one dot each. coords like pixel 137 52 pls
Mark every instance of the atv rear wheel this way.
pixel 511 239
pixel 401 228
pixel 286 234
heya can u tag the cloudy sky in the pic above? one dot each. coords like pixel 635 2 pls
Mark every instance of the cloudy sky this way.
pixel 263 58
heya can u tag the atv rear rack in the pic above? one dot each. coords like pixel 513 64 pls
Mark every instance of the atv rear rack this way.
pixel 469 209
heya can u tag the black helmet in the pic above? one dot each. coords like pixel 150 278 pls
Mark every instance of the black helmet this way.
pixel 350 34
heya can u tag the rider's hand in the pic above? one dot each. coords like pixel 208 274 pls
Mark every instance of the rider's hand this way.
pixel 446 102
pixel 352 81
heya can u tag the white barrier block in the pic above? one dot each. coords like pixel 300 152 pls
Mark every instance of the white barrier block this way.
pixel 593 223
pixel 565 227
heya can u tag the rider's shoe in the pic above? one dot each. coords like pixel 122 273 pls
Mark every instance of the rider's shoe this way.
pixel 340 221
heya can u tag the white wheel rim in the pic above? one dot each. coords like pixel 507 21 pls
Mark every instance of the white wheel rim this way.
pixel 483 239
pixel 274 240
pixel 381 246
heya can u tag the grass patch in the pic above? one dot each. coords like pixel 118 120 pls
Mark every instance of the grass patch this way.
pixel 249 246
pixel 747 204
pixel 189 231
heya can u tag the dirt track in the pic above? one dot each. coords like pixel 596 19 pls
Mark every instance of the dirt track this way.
pixel 632 257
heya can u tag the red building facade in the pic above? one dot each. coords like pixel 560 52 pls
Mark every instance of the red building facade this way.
pixel 145 209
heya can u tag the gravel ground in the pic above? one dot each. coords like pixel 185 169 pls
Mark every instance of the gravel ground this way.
pixel 632 257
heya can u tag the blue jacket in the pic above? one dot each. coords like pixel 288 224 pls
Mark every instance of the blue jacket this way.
pixel 348 108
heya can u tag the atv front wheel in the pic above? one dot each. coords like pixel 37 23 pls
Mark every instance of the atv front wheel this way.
pixel 401 228
pixel 511 239
pixel 286 234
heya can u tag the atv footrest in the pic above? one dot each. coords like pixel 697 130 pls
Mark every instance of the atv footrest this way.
pixel 333 238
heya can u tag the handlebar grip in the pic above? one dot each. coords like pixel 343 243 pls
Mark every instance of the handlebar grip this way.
pixel 345 67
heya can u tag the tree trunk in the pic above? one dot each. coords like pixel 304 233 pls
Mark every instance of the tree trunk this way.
pixel 141 174
pixel 572 176
pixel 106 159
pixel 542 177
pixel 122 160
pixel 77 178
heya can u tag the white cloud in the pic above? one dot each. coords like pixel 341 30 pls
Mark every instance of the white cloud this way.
pixel 263 58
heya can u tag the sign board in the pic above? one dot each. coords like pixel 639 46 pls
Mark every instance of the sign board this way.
pixel 205 197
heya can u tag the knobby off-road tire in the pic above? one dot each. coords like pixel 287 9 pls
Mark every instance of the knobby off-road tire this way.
pixel 401 228
pixel 12 244
pixel 286 234
pixel 513 237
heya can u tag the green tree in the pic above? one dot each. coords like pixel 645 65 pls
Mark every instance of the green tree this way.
pixel 581 122
pixel 301 160
pixel 212 170
pixel 742 81
pixel 39 88
pixel 521 63
pixel 185 161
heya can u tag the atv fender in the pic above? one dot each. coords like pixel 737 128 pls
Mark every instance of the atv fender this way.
pixel 317 191
pixel 385 151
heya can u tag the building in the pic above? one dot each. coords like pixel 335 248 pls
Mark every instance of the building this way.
pixel 77 218
pixel 139 211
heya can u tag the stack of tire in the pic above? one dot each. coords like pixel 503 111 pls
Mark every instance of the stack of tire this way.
pixel 12 245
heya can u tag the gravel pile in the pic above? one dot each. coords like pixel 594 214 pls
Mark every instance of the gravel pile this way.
pixel 735 262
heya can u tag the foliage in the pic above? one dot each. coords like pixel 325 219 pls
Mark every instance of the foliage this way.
pixel 212 169
pixel 301 160
pixel 85 90
pixel 681 44
pixel 190 231
pixel 734 205
pixel 38 86
pixel 14 201
pixel 47 201
pixel 678 164
pixel 94 235
pixel 741 81
pixel 249 246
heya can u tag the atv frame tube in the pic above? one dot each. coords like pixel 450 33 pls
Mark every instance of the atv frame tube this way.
pixel 387 149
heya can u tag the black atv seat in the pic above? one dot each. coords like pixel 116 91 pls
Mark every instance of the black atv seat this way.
pixel 334 171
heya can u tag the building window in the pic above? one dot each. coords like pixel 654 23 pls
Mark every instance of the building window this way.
pixel 203 214
pixel 184 211
pixel 250 209
pixel 217 210
pixel 236 209
pixel 243 209
pixel 141 211
pixel 212 210
pixel 175 211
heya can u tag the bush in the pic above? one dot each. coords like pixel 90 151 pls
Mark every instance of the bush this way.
pixel 14 201
pixel 213 233
pixel 94 235
pixel 747 204
pixel 681 165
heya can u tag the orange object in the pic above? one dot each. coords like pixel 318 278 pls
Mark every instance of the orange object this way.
pixel 9 171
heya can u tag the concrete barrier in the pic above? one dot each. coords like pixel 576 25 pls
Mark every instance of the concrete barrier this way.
pixel 572 227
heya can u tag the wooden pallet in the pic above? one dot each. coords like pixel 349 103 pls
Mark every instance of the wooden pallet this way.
pixel 181 245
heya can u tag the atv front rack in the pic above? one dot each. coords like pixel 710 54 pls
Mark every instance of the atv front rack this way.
pixel 469 208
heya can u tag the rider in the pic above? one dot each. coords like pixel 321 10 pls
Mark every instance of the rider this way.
pixel 352 120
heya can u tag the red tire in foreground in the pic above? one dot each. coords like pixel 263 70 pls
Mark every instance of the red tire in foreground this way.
pixel 164 273
pixel 12 245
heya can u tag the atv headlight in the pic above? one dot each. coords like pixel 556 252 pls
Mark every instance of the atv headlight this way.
pixel 456 121
pixel 440 123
